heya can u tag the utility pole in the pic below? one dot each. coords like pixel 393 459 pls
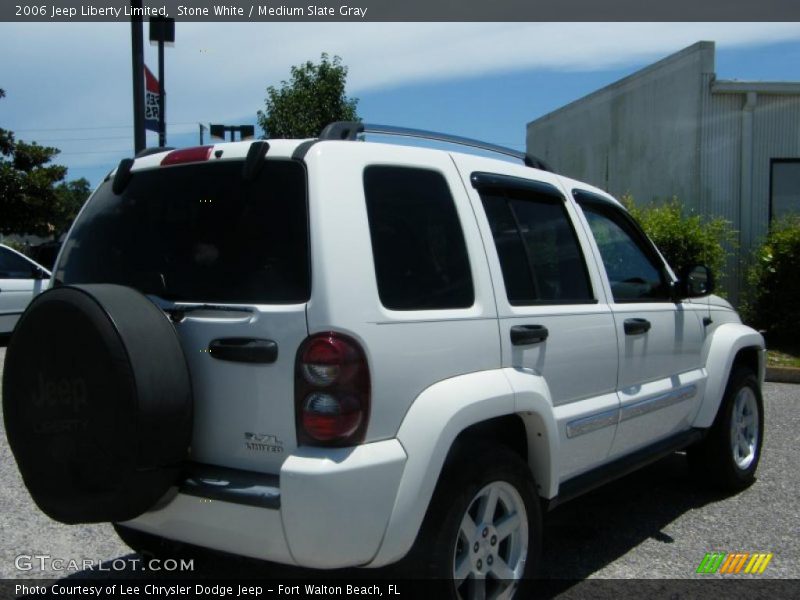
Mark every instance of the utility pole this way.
pixel 137 67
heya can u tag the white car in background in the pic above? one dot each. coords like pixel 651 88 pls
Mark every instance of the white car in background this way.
pixel 20 280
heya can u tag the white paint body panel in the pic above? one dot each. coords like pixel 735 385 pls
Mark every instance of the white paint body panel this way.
pixel 662 360
pixel 724 342
pixel 434 420
pixel 235 398
pixel 335 506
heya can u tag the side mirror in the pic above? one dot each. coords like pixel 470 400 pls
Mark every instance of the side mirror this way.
pixel 696 281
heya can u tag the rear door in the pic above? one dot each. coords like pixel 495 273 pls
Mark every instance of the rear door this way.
pixel 228 258
pixel 553 319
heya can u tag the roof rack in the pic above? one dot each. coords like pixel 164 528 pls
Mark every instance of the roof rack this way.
pixel 349 130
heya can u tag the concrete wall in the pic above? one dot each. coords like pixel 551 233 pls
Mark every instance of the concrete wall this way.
pixel 640 135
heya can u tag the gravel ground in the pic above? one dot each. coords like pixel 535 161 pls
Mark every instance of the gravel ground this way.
pixel 655 523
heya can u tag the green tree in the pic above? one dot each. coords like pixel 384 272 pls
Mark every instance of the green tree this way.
pixel 33 196
pixel 314 97
pixel 6 137
pixel 71 196
pixel 685 239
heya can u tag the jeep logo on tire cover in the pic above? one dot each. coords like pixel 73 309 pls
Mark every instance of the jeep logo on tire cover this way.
pixel 68 393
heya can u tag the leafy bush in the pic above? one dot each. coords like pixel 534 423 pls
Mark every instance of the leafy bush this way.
pixel 18 246
pixel 685 239
pixel 773 303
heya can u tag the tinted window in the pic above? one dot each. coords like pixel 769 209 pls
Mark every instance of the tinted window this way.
pixel 785 188
pixel 537 247
pixel 198 233
pixel 633 274
pixel 13 266
pixel 417 243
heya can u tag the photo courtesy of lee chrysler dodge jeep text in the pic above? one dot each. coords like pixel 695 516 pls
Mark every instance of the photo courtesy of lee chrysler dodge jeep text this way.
pixel 341 353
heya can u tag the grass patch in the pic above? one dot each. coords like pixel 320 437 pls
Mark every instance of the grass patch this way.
pixel 782 352
pixel 777 358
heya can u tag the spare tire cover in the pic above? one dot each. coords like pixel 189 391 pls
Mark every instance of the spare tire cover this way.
pixel 97 402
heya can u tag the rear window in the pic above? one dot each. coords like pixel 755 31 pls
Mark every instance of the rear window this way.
pixel 198 233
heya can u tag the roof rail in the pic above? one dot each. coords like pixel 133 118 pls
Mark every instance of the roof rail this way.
pixel 349 130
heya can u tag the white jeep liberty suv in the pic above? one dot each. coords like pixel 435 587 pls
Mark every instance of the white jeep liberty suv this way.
pixel 259 347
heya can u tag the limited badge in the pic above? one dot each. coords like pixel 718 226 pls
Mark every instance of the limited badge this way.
pixel 262 442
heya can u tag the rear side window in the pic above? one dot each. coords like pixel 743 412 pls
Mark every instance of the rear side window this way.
pixel 198 233
pixel 417 243
pixel 539 254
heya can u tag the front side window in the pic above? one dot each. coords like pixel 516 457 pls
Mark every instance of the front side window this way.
pixel 417 243
pixel 538 250
pixel 13 266
pixel 633 272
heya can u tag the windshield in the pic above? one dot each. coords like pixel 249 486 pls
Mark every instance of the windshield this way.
pixel 198 233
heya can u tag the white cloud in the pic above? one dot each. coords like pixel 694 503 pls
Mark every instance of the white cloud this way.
pixel 77 75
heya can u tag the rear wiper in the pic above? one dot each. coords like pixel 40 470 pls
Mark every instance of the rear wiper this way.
pixel 178 313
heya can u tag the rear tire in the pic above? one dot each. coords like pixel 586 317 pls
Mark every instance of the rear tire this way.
pixel 483 527
pixel 728 457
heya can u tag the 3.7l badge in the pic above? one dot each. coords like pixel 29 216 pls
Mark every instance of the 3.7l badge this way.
pixel 262 442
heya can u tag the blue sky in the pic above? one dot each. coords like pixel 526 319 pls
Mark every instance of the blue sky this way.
pixel 69 84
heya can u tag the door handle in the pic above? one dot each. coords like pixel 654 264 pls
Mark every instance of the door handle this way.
pixel 634 326
pixel 247 350
pixel 522 335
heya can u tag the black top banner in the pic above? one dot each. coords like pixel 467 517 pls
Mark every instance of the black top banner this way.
pixel 405 10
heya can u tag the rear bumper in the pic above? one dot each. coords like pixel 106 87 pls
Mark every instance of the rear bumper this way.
pixel 329 508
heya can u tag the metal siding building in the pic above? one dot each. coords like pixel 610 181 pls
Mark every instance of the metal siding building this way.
pixel 673 129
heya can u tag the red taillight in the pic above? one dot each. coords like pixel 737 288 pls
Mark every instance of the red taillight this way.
pixel 332 391
pixel 329 359
pixel 187 155
pixel 328 418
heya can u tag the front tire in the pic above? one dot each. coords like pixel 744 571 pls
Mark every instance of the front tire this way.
pixel 483 527
pixel 728 457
